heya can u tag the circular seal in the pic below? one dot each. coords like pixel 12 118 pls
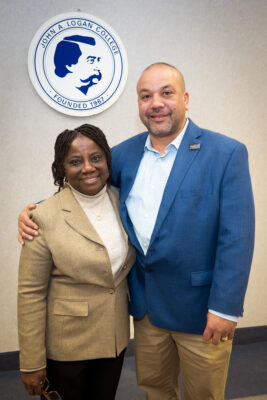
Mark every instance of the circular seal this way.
pixel 77 64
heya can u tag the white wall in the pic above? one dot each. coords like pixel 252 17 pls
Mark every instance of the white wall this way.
pixel 219 45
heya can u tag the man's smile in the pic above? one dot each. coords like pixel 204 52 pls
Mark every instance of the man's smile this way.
pixel 158 117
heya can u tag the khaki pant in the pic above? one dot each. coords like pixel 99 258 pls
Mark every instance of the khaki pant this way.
pixel 162 355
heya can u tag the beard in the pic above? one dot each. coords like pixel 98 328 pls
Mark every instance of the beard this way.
pixel 166 128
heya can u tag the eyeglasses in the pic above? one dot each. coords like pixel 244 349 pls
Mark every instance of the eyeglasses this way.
pixel 53 395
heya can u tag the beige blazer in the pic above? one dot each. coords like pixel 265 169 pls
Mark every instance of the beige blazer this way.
pixel 69 306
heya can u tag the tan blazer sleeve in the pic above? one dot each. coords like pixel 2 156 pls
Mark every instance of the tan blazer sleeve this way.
pixel 34 272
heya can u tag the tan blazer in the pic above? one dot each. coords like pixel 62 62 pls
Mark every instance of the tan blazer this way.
pixel 69 306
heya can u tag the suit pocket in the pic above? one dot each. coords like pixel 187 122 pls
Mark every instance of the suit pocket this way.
pixel 201 278
pixel 72 308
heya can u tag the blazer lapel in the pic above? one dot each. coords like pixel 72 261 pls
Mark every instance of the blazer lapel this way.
pixel 76 218
pixel 133 161
pixel 114 198
pixel 116 205
pixel 182 163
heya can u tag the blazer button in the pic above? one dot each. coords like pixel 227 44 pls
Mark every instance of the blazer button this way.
pixel 148 269
pixel 124 267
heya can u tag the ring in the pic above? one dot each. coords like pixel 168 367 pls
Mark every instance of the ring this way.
pixel 41 382
pixel 224 339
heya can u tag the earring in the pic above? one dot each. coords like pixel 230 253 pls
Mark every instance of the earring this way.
pixel 65 181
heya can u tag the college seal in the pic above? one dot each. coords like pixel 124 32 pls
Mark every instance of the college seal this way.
pixel 77 64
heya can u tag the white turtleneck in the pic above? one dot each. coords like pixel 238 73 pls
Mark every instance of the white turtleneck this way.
pixel 102 216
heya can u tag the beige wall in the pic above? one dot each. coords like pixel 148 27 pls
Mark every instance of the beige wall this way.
pixel 220 45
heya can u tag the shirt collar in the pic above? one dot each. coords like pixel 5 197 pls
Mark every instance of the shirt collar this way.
pixel 175 143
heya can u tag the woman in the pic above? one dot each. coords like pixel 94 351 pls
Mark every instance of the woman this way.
pixel 73 319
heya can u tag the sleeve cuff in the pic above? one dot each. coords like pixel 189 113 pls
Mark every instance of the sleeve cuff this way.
pixel 225 316
pixel 32 370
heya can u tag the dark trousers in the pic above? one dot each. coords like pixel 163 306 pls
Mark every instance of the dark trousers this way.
pixel 85 380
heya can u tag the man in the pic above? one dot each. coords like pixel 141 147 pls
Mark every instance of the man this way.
pixel 76 61
pixel 187 205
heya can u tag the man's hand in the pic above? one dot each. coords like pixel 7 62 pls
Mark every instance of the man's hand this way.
pixel 26 227
pixel 218 329
pixel 33 381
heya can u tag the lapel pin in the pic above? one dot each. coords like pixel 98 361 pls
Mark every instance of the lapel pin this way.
pixel 194 146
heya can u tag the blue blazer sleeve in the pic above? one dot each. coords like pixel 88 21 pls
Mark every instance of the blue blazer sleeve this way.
pixel 235 236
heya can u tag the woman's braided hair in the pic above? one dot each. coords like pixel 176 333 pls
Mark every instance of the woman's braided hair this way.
pixel 62 146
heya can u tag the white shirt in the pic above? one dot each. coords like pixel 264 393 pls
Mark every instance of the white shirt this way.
pixel 107 226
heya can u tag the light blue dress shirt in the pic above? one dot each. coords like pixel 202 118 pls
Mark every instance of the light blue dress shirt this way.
pixel 144 199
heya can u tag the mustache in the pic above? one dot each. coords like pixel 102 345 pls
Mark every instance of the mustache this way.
pixel 91 77
pixel 158 111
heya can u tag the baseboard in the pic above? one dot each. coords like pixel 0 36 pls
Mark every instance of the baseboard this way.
pixel 250 335
pixel 10 360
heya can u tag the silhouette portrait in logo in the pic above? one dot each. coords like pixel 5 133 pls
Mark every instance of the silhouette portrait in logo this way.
pixel 76 55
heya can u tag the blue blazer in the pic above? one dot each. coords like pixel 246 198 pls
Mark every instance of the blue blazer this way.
pixel 201 248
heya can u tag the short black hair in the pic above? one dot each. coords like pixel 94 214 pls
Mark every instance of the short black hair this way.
pixel 63 143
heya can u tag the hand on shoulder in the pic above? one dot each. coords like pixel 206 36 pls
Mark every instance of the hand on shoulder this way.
pixel 27 229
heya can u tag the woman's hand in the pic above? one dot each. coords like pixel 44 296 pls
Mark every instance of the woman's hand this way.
pixel 27 229
pixel 33 381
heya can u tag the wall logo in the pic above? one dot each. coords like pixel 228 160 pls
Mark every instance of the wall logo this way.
pixel 77 64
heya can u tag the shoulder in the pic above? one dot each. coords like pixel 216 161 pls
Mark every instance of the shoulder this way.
pixel 217 141
pixel 125 154
pixel 47 209
pixel 129 143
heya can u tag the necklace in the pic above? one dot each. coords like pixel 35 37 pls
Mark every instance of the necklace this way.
pixel 92 205
pixel 98 212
